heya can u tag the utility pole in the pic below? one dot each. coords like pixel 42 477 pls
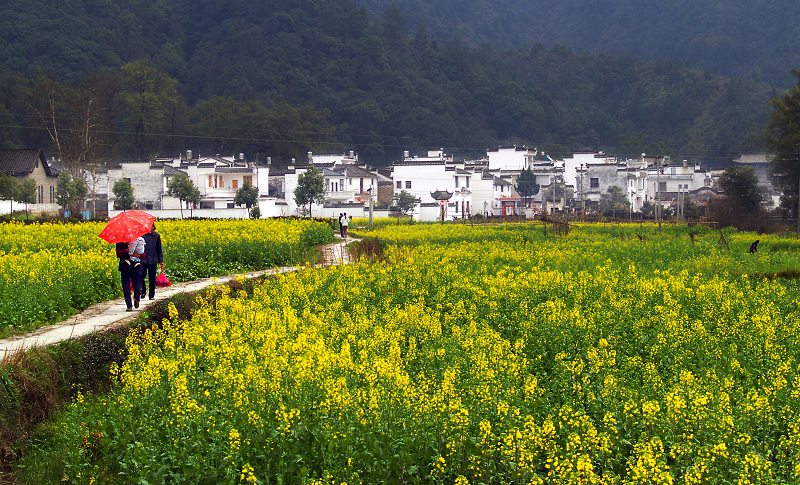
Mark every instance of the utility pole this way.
pixel 658 192
pixel 583 206
pixel 370 207
pixel 798 207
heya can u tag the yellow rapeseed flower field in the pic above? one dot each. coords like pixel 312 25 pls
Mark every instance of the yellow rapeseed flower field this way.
pixel 51 271
pixel 608 356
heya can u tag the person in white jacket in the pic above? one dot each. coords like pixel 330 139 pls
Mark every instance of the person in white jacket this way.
pixel 136 249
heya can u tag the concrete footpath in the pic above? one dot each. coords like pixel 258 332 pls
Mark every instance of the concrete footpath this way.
pixel 113 312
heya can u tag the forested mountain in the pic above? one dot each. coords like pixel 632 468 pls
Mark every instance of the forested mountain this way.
pixel 753 39
pixel 284 77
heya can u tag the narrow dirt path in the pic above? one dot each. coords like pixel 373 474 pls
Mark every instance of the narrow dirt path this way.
pixel 113 312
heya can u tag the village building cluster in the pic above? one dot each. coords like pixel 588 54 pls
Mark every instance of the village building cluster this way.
pixel 443 188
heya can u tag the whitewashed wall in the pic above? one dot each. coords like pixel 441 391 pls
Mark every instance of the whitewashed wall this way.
pixel 482 195
pixel 424 180
pixel 507 159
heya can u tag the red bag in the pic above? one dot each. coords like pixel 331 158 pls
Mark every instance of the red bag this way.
pixel 161 280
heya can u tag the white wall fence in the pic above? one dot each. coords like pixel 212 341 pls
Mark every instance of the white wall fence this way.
pixel 266 212
pixel 5 208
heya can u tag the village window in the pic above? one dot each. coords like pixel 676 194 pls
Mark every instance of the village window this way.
pixel 594 183
pixel 210 181
pixel 672 171
pixel 467 185
pixel 399 185
pixel 467 204
pixel 456 207
pixel 662 186
pixel 148 206
pixel 248 180
pixel 456 181
pixel 231 205
pixel 408 184
pixel 206 204
pixel 40 195
pixel 350 181
pixel 235 183
pixel 52 194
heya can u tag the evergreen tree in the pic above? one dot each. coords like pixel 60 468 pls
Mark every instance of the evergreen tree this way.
pixel 526 185
pixel 783 141
pixel 613 200
pixel 26 193
pixel 741 185
pixel 405 202
pixel 123 195
pixel 70 192
pixel 247 196
pixel 182 187
pixel 8 189
pixel 310 189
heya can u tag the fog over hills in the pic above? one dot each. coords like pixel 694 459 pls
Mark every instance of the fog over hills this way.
pixel 754 39
pixel 285 77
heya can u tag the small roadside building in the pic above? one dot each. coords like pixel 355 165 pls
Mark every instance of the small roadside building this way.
pixel 32 164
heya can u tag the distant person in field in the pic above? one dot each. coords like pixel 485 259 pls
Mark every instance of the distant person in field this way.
pixel 152 257
pixel 345 224
pixel 754 246
pixel 341 226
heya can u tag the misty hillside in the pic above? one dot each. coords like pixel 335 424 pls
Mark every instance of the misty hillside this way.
pixel 284 77
pixel 754 39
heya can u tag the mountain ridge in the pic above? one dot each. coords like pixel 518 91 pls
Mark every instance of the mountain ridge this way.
pixel 317 75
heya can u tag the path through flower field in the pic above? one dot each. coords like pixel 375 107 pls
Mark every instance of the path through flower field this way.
pixel 466 355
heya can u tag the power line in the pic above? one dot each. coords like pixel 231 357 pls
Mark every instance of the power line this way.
pixel 321 142
pixel 230 138
pixel 228 127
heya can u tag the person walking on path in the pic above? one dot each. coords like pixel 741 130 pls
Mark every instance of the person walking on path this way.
pixel 127 274
pixel 341 226
pixel 152 257
pixel 345 223
pixel 136 250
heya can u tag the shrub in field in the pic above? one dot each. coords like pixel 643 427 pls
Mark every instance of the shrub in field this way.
pixel 51 271
pixel 582 359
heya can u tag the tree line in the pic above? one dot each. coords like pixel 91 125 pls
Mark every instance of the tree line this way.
pixel 278 80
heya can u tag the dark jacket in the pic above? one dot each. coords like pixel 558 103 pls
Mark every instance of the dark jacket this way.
pixel 153 253
pixel 122 253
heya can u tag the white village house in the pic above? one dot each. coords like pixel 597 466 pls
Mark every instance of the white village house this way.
pixel 217 178
pixel 445 189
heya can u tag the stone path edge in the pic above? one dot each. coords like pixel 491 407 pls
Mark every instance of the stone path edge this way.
pixel 110 313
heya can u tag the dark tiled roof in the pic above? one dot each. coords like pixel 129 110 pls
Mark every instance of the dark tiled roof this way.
pixel 327 172
pixel 441 195
pixel 233 170
pixel 353 171
pixel 168 170
pixel 19 163
pixel 412 162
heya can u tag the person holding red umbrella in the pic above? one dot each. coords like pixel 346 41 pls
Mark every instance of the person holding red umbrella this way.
pixel 130 272
pixel 126 230
pixel 153 256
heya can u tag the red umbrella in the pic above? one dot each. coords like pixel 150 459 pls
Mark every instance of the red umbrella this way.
pixel 127 226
